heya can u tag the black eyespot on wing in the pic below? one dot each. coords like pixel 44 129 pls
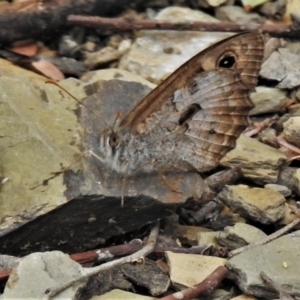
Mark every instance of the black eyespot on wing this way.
pixel 227 62
pixel 113 140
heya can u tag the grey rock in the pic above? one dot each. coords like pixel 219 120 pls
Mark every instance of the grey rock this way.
pixel 280 66
pixel 259 204
pixel 239 235
pixel 283 190
pixel 291 130
pixel 259 162
pixel 279 259
pixel 290 177
pixel 267 100
pixel 7 261
pixel 206 239
pixel 268 136
pixel 156 54
pixel 211 3
pixel 236 14
pixel 253 3
pixel 274 10
pixel 37 272
pixel 101 57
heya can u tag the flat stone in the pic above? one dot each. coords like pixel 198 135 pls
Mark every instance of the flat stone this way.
pixel 121 295
pixel 259 204
pixel 259 162
pixel 190 269
pixel 252 3
pixel 214 3
pixel 280 66
pixel 206 239
pixel 243 297
pixel 268 136
pixel 185 233
pixel 290 177
pixel 283 190
pixel 101 57
pixel 267 100
pixel 279 259
pixel 37 272
pixel 291 130
pixel 289 215
pixel 239 235
pixel 113 73
pixel 236 14
pixel 156 54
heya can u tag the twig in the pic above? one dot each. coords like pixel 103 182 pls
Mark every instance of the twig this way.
pixel 282 142
pixel 35 19
pixel 127 24
pixel 266 240
pixel 205 287
pixel 284 295
pixel 109 253
pixel 126 249
pixel 137 256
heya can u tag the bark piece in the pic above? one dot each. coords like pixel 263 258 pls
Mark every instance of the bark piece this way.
pixel 82 224
pixel 148 275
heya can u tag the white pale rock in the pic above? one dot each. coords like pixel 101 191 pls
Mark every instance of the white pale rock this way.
pixel 156 54
pixel 259 162
pixel 239 235
pixel 267 100
pixel 190 269
pixel 258 204
pixel 291 130
pixel 206 239
pixel 37 272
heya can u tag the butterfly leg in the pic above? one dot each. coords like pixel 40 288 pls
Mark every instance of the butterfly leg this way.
pixel 62 170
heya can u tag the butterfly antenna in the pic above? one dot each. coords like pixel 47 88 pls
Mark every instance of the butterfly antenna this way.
pixel 73 97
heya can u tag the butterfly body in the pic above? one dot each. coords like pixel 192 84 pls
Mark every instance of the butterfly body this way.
pixel 192 119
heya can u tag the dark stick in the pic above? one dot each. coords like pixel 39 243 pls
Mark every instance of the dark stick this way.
pixel 126 24
pixel 205 287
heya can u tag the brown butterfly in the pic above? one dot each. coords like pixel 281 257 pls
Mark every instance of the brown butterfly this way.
pixel 193 118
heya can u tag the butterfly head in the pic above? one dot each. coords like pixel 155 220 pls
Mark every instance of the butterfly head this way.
pixel 113 149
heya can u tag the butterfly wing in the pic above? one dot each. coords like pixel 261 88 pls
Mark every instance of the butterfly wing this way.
pixel 215 105
pixel 246 50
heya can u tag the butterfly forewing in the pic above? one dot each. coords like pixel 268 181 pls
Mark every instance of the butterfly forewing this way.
pixel 245 48
pixel 193 118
